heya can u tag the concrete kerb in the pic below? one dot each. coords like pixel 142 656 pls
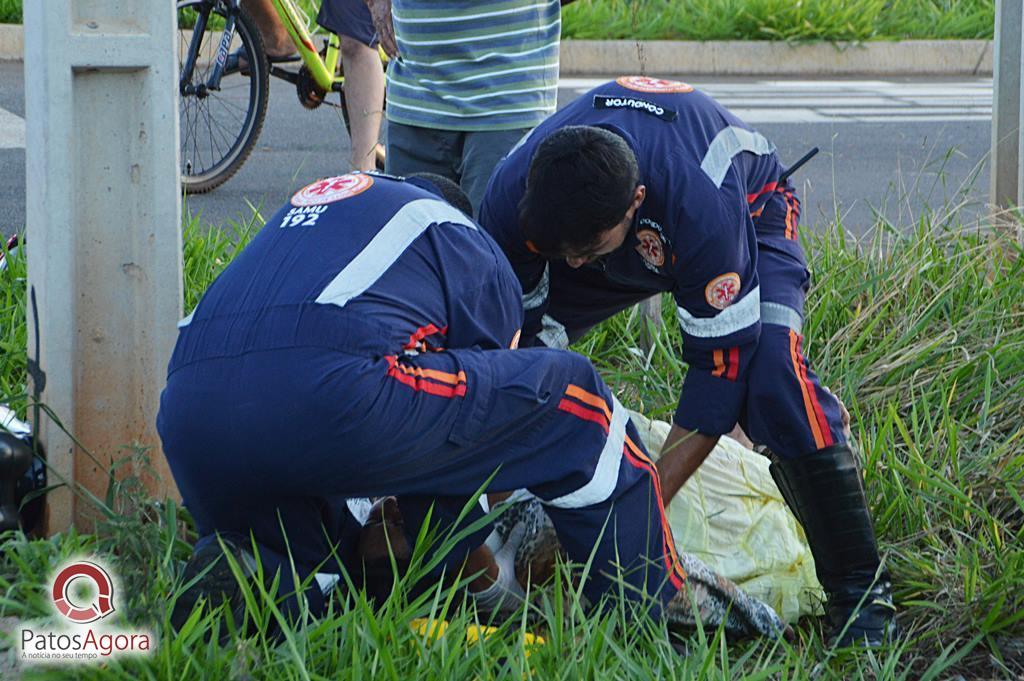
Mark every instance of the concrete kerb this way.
pixel 752 58
pixel 12 42
pixel 736 58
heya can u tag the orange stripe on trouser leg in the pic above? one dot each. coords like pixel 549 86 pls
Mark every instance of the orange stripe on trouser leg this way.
pixel 442 376
pixel 584 413
pixel 819 413
pixel 812 421
pixel 455 386
pixel 719 364
pixel 589 398
pixel 638 459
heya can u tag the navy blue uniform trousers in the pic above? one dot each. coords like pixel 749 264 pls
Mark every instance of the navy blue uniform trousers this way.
pixel 272 442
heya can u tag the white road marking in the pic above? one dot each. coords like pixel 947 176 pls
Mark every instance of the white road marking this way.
pixel 843 101
pixel 12 130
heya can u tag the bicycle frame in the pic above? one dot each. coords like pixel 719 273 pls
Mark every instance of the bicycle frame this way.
pixel 213 83
pixel 322 70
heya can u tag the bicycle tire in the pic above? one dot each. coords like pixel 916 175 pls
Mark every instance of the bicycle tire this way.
pixel 240 104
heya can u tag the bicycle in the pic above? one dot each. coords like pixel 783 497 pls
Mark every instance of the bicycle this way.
pixel 221 112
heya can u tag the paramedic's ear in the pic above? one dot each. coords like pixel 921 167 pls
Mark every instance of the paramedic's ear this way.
pixel 639 194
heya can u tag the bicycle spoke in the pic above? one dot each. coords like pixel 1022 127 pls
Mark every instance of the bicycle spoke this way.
pixel 225 133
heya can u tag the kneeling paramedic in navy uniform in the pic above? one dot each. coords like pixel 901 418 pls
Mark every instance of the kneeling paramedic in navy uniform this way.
pixel 645 185
pixel 360 346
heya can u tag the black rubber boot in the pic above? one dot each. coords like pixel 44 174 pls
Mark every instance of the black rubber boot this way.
pixel 209 579
pixel 825 492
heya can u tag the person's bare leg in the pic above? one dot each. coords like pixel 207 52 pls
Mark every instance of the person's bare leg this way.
pixel 364 95
pixel 276 40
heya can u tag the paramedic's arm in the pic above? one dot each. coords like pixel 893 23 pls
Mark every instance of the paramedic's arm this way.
pixel 719 312
pixel 682 454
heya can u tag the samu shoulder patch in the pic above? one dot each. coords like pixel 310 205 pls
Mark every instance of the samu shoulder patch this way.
pixel 332 189
pixel 645 84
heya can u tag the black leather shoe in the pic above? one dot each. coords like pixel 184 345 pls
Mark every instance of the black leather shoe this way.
pixel 209 580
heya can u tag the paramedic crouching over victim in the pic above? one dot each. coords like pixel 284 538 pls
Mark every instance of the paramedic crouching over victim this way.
pixel 642 186
pixel 364 345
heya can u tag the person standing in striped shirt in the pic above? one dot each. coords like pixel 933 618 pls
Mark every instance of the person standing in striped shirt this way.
pixel 469 78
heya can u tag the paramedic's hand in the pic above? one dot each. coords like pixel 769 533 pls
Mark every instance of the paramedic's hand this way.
pixel 683 453
pixel 844 414
pixel 380 10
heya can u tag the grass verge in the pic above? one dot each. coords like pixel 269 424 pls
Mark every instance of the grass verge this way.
pixel 922 335
pixel 833 20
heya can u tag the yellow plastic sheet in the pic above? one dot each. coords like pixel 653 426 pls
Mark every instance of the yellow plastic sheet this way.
pixel 731 515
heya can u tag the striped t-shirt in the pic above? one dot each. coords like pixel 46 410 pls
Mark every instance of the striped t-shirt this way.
pixel 474 64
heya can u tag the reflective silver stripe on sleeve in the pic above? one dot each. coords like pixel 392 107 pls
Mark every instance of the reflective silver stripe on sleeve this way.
pixel 782 315
pixel 606 473
pixel 387 246
pixel 553 334
pixel 187 320
pixel 539 295
pixel 736 317
pixel 727 143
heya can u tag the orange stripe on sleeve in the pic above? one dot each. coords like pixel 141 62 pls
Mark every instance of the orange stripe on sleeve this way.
pixel 734 364
pixel 770 187
pixel 719 364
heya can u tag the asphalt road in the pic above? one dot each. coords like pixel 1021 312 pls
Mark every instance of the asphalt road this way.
pixel 901 150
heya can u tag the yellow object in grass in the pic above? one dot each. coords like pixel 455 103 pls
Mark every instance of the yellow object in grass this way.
pixel 434 629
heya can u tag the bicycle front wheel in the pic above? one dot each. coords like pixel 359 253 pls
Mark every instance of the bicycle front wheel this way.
pixel 218 126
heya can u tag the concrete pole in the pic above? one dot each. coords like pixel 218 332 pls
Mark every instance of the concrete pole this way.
pixel 103 211
pixel 1006 109
pixel 1020 113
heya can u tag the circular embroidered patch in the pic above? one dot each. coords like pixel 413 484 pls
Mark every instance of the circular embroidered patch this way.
pixel 651 247
pixel 722 290
pixel 645 84
pixel 332 189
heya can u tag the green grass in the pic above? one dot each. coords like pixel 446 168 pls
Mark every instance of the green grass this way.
pixel 922 335
pixel 833 20
pixel 10 11
pixel 806 20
